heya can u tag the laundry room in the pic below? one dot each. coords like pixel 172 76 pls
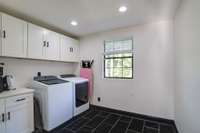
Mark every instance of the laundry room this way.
pixel 90 66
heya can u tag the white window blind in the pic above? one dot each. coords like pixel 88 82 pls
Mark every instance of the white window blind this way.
pixel 118 46
pixel 118 59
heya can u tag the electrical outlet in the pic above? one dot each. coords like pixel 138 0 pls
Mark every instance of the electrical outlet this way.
pixel 99 99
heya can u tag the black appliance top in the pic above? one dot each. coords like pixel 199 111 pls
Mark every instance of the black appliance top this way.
pixel 49 80
pixel 1 71
pixel 1 84
pixel 67 75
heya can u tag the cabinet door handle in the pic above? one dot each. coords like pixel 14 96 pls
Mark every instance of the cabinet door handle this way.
pixel 3 117
pixel 8 115
pixel 44 45
pixel 22 99
pixel 4 34
pixel 47 44
pixel 71 49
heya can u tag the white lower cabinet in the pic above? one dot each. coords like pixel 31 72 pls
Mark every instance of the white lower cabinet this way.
pixel 17 114
pixel 2 116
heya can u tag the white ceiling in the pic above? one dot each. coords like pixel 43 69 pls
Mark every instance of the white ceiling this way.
pixel 92 15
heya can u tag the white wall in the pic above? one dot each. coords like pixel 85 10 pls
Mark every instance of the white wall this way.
pixel 187 96
pixel 151 91
pixel 24 70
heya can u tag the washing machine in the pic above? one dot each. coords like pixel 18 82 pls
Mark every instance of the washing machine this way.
pixel 55 98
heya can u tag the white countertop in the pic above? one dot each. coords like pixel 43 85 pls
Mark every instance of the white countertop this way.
pixel 16 92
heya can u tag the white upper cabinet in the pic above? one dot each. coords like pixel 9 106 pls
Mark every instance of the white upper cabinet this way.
pixel 74 50
pixel 36 44
pixel 43 43
pixel 52 45
pixel 64 48
pixel 14 36
pixel 20 39
pixel 69 49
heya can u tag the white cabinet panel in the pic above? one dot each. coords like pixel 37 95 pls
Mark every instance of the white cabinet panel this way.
pixel 19 118
pixel 36 42
pixel 69 49
pixel 52 46
pixel 74 50
pixel 1 34
pixel 64 48
pixel 2 116
pixel 19 114
pixel 43 43
pixel 16 112
pixel 14 38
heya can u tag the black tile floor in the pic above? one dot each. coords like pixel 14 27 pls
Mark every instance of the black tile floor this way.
pixel 101 121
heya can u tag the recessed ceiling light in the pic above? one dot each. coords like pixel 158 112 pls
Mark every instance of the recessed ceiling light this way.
pixel 122 9
pixel 74 23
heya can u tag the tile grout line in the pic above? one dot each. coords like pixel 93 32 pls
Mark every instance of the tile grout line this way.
pixel 78 119
pixel 113 125
pixel 152 121
pixel 100 122
pixel 151 128
pixel 159 128
pixel 85 124
pixel 143 127
pixel 128 125
pixel 93 118
pixel 82 117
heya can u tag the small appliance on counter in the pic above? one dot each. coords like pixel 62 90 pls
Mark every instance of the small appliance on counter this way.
pixel 9 82
pixel 1 79
pixel 6 82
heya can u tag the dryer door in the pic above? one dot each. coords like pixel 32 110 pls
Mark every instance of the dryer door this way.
pixel 81 93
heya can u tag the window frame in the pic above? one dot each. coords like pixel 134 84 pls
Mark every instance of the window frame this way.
pixel 120 52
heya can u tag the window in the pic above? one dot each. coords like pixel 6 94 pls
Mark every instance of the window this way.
pixel 118 59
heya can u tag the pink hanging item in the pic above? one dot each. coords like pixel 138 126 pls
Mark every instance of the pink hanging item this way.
pixel 88 74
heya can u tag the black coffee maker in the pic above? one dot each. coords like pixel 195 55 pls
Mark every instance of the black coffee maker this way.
pixel 3 82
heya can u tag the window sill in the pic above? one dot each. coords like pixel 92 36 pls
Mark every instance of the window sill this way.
pixel 118 78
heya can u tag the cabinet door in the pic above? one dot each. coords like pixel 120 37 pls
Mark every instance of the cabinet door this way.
pixel 2 116
pixel 14 43
pixel 53 46
pixel 36 43
pixel 69 49
pixel 74 50
pixel 64 48
pixel 1 34
pixel 19 113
